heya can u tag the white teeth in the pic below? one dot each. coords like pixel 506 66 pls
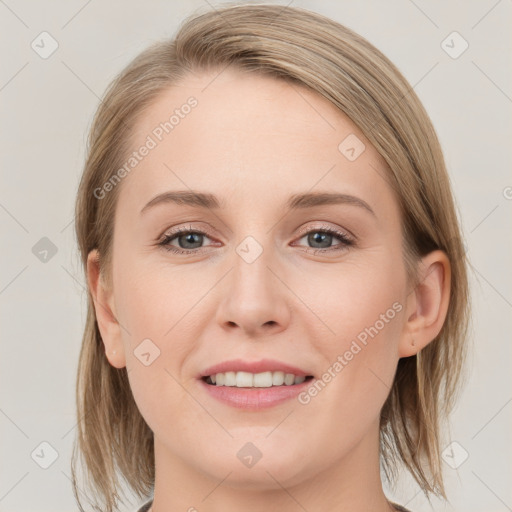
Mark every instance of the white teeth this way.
pixel 278 378
pixel 242 380
pixel 289 379
pixel 255 380
pixel 261 380
pixel 230 379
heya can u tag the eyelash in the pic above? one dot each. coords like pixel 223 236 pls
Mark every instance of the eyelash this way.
pixel 345 240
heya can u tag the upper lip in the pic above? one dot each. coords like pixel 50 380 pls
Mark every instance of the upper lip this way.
pixel 263 365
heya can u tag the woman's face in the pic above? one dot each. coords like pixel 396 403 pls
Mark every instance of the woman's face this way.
pixel 256 281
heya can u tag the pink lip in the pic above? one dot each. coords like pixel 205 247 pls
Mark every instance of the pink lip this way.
pixel 264 365
pixel 254 398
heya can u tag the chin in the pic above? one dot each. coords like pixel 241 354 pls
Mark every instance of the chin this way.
pixel 267 470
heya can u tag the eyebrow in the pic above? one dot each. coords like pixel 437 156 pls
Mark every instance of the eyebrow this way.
pixel 295 202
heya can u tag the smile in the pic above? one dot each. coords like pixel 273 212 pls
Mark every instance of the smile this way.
pixel 243 379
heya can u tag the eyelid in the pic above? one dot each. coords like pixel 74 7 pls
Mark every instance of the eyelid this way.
pixel 185 228
pixel 326 227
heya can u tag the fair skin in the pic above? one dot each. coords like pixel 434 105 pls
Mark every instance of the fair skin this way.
pixel 254 141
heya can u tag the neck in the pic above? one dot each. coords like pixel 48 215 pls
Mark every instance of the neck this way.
pixel 352 483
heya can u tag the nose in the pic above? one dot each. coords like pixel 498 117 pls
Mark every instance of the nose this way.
pixel 254 298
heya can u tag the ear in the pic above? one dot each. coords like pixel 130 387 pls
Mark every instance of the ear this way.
pixel 427 304
pixel 103 298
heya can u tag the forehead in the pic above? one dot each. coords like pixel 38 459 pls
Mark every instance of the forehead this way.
pixel 227 129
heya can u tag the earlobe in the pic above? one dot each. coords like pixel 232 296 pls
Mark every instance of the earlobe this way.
pixel 427 304
pixel 103 299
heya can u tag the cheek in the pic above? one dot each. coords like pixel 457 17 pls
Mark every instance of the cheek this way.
pixel 363 316
pixel 158 308
pixel 362 302
pixel 154 299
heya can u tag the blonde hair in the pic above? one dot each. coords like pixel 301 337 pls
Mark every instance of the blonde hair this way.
pixel 307 49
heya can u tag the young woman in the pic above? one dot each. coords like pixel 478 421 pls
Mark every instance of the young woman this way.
pixel 278 292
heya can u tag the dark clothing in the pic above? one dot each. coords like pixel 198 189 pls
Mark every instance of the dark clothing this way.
pixel 146 506
pixel 399 508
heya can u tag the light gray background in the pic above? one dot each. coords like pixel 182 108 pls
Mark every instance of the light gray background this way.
pixel 47 107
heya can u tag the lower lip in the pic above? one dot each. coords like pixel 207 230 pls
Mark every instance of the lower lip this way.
pixel 254 398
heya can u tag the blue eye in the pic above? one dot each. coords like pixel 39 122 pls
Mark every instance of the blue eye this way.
pixel 325 236
pixel 190 241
